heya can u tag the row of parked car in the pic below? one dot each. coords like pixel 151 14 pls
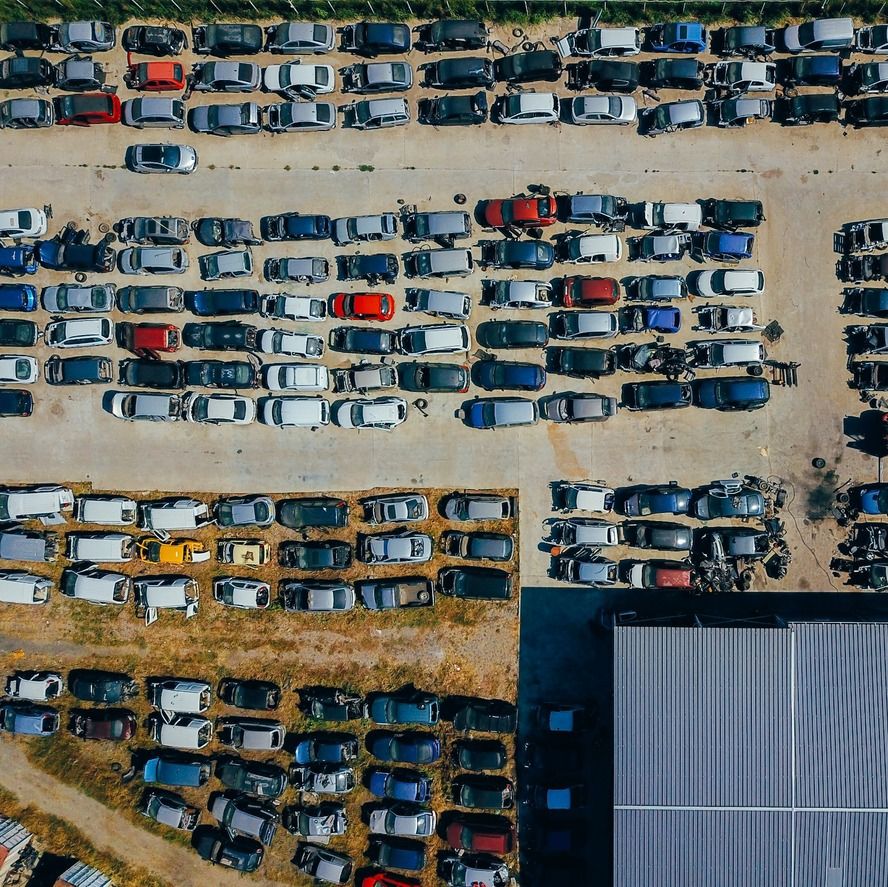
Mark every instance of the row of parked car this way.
pixel 323 763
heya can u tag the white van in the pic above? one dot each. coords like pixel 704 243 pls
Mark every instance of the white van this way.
pixel 36 686
pixel 112 548
pixel 181 731
pixel 173 514
pixel 166 592
pixel 36 502
pixel 96 586
pixel 23 588
pixel 115 511
pixel 181 697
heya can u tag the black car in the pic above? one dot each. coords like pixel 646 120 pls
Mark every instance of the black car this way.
pixel 220 303
pixel 509 375
pixel 866 78
pixel 478 546
pixel 802 110
pixel 513 334
pixel 142 372
pixel 454 110
pixel 293 226
pixel 330 704
pixel 25 35
pixel 582 363
pixel 868 301
pixel 475 583
pixel 225 232
pixel 232 336
pixel 232 374
pixel 254 695
pixel 749 41
pixel 217 846
pixel 15 402
pixel 91 685
pixel 375 268
pixel 872 111
pixel 320 511
pixel 226 39
pixel 18 332
pixel 363 340
pixel 376 38
pixel 151 299
pixel 153 40
pixel 26 71
pixel 433 377
pixel 659 395
pixel 86 370
pixel 480 754
pixel 810 70
pixel 251 777
pixel 526 67
pixel 451 34
pixel 486 716
pixel 534 255
pixel 672 73
pixel 463 72
pixel 729 215
pixel 326 554
pixel 605 75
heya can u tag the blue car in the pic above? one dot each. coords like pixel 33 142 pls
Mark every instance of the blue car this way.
pixel 873 498
pixel 221 303
pixel 732 393
pixel 404 748
pixel 686 37
pixel 293 226
pixel 16 402
pixel 18 297
pixel 326 748
pixel 722 246
pixel 667 499
pixel 17 260
pixel 654 320
pixel 413 707
pixel 176 771
pixel 397 853
pixel 509 375
pixel 28 720
pixel 400 785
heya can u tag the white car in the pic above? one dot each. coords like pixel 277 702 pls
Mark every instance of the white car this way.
pixel 287 307
pixel 585 531
pixel 243 594
pixel 300 117
pixel 18 368
pixel 356 229
pixel 383 412
pixel 435 338
pixel 218 409
pixel 296 377
pixel 147 406
pixel 727 282
pixel 591 109
pixel 83 332
pixel 521 294
pixel 404 547
pixel 599 43
pixel 284 342
pixel 668 216
pixel 299 80
pixel 439 303
pixel 582 496
pixel 295 412
pixel 28 222
pixel 584 249
pixel 729 353
pixel 89 583
pixel 527 107
pixel 740 77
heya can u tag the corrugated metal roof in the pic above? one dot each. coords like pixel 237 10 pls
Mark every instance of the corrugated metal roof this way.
pixel 739 751
pixel 12 833
pixel 82 875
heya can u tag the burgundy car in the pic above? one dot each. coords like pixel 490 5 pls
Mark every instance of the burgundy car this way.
pixel 112 724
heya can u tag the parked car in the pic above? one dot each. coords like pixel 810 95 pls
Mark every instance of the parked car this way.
pixel 317 596
pixel 672 117
pixel 732 393
pixel 377 114
pixel 499 412
pixel 521 108
pixel 672 73
pixel 226 120
pixel 153 40
pixel 829 34
pixel 26 113
pixel 433 377
pixel 292 38
pixel 375 268
pixel 478 546
pixel 600 42
pixel 238 853
pixel 300 117
pixel 109 724
pixel 475 583
pixel 467 832
pixel 409 747
pixel 408 706
pixel 87 109
pixel 527 67
pixel 225 77
pixel 390 594
pixel 808 108
pixel 509 375
pixel 460 72
pixel 224 39
pixel 655 499
pixel 603 109
pixel 83 36
pixel 179 159
pixel 376 38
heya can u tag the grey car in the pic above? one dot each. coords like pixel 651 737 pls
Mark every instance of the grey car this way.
pixel 153 260
pixel 322 864
pixel 403 819
pixel 358 229
pixel 291 38
pixel 395 508
pixel 153 112
pixel 447 225
pixel 26 113
pixel 300 117
pixel 660 535
pixel 478 546
pixel 83 36
pixel 244 816
pixel 245 511
pixel 226 77
pixel 368 78
pixel 73 297
pixel 226 120
pixel 317 596
pixel 181 159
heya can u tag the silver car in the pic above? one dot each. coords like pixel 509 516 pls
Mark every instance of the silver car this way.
pixel 84 36
pixel 154 111
pixel 148 407
pixel 72 297
pixel 26 113
pixel 404 820
pixel 181 159
pixel 300 117
pixel 357 229
pixel 153 260
pixel 226 120
pixel 226 77
pixel 292 38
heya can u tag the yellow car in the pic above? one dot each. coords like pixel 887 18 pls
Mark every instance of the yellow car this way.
pixel 182 551
pixel 244 552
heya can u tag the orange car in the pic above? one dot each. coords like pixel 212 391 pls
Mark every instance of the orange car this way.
pixel 363 306
pixel 155 76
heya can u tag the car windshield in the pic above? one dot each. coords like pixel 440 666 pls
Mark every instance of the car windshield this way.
pixel 83 104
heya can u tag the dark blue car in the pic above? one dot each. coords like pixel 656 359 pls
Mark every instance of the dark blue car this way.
pixel 509 375
pixel 18 297
pixel 397 853
pixel 16 402
pixel 220 303
pixel 293 226
pixel 399 784
pixel 655 320
pixel 722 245
pixel 733 393
pixel 535 255
pixel 17 260
pixel 410 747
pixel 687 37
pixel 326 748
pixel 667 499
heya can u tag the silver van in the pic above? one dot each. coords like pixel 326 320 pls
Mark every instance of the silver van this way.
pixel 180 731
pixel 34 502
pixel 114 511
pixel 89 583
pixel 180 696
pixel 377 113
pixel 23 588
pixel 439 303
pixel 112 548
pixel 20 545
pixel 173 514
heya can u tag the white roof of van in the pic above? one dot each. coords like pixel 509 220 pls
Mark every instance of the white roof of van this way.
pixel 183 514
pixel 183 696
pixel 21 588
pixel 46 500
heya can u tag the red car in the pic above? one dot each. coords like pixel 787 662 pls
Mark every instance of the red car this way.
pixel 155 76
pixel 386 879
pixel 363 306
pixel 87 109
pixel 149 337
pixel 583 292
pixel 481 836
pixel 113 724
pixel 520 212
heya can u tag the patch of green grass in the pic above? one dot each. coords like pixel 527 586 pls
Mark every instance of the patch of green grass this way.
pixel 366 167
